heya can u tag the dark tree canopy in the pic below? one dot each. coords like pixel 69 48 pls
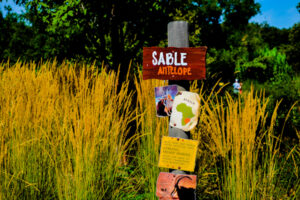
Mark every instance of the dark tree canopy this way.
pixel 115 31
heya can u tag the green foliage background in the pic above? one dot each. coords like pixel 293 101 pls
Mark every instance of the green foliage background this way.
pixel 113 33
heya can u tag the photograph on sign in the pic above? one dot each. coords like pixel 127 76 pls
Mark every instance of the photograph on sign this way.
pixel 172 63
pixel 176 186
pixel 185 110
pixel 178 153
pixel 164 98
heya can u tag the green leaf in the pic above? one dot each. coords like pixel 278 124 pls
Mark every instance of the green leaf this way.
pixel 44 5
pixel 70 13
pixel 64 17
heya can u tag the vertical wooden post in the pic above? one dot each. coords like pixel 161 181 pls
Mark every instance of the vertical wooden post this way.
pixel 178 36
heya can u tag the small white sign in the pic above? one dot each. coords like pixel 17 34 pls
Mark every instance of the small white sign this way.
pixel 185 110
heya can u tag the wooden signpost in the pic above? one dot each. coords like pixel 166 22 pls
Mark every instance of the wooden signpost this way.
pixel 178 64
pixel 174 63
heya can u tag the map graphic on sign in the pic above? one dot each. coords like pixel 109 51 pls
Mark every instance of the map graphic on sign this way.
pixel 185 110
pixel 187 113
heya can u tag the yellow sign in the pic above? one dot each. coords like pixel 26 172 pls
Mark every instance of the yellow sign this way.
pixel 178 153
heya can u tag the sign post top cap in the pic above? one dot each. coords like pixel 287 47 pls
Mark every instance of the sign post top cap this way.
pixel 179 22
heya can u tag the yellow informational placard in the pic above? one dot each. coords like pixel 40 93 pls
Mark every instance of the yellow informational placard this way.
pixel 178 153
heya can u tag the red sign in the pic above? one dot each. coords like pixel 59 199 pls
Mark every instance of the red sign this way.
pixel 174 63
pixel 176 186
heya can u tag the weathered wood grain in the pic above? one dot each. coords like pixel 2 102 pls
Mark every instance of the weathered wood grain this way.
pixel 194 60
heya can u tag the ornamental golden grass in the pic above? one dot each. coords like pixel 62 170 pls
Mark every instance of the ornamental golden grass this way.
pixel 62 132
pixel 239 135
pixel 233 130
pixel 64 135
pixel 150 131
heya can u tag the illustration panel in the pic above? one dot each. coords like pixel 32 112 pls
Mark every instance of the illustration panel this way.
pixel 164 98
pixel 176 186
